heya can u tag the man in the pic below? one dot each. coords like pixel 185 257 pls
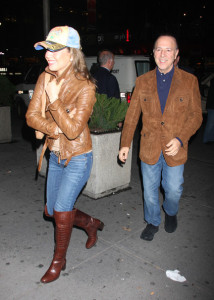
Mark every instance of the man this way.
pixel 106 82
pixel 170 102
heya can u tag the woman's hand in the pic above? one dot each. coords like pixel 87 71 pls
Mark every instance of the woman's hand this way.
pixel 53 89
pixel 53 130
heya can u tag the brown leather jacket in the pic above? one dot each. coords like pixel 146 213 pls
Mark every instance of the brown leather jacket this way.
pixel 181 118
pixel 74 93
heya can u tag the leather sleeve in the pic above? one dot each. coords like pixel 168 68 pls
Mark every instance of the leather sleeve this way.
pixel 34 113
pixel 73 127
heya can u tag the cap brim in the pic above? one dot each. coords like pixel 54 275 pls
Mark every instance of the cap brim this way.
pixel 49 46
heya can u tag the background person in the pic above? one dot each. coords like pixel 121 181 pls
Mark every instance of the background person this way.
pixel 106 82
pixel 186 67
pixel 170 102
pixel 209 128
pixel 69 104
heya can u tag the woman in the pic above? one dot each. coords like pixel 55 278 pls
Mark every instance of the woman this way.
pixel 70 96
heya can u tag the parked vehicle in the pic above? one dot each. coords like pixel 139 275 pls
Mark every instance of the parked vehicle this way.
pixel 24 90
pixel 126 70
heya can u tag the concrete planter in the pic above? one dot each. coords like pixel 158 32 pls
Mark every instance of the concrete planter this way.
pixel 106 175
pixel 5 124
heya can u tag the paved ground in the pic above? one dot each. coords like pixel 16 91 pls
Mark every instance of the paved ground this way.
pixel 121 265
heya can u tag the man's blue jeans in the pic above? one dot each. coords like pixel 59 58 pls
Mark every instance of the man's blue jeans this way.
pixel 171 179
pixel 65 183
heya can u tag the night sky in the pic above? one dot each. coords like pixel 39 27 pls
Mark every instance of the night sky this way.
pixel 191 22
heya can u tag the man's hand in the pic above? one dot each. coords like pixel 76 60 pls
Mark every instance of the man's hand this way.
pixel 173 147
pixel 123 154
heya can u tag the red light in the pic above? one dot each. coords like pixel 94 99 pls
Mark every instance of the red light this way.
pixel 128 97
pixel 127 35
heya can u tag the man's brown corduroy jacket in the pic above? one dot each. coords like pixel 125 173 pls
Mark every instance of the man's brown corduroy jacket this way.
pixel 181 118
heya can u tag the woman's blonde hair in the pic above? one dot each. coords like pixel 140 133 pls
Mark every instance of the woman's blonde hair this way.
pixel 79 65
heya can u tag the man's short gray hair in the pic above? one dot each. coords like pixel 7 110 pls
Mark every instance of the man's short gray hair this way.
pixel 104 56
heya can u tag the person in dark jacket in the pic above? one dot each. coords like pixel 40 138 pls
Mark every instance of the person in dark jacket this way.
pixel 106 82
pixel 209 129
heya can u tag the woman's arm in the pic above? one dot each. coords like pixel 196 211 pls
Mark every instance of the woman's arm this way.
pixel 72 127
pixel 34 116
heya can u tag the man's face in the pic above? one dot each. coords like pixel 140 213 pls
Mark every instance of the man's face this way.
pixel 165 53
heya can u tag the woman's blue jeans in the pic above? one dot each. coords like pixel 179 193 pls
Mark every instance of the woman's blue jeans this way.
pixel 171 179
pixel 65 183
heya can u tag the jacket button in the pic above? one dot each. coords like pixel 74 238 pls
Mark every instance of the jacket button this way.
pixel 162 123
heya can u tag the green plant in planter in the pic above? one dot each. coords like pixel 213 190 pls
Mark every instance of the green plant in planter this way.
pixel 7 91
pixel 107 113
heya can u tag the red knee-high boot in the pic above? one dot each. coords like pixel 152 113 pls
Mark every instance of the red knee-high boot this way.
pixel 64 224
pixel 90 225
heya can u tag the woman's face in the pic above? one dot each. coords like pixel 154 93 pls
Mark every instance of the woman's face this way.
pixel 59 60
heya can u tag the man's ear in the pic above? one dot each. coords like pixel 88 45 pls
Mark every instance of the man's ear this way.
pixel 177 54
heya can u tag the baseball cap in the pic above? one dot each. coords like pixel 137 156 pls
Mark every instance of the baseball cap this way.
pixel 59 38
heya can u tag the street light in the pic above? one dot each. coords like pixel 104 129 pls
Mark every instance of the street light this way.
pixel 46 17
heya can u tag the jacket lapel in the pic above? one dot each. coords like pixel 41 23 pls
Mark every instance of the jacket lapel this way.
pixel 154 91
pixel 175 86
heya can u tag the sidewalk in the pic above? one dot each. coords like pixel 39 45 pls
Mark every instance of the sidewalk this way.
pixel 121 266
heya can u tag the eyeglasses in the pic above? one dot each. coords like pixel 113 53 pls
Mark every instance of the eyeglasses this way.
pixel 167 51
